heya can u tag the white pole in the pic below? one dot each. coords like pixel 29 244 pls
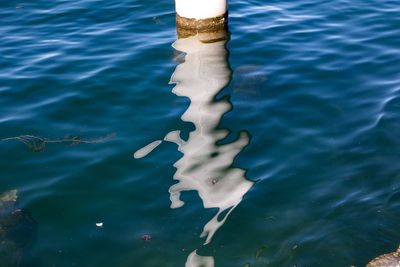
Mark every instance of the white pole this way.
pixel 201 9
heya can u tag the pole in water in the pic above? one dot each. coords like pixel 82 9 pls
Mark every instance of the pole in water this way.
pixel 206 18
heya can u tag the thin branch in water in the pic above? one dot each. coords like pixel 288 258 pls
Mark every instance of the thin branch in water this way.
pixel 38 144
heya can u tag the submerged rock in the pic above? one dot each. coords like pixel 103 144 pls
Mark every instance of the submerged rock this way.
pixel 8 198
pixel 17 231
pixel 386 260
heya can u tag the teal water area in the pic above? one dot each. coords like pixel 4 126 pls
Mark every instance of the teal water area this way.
pixel 279 147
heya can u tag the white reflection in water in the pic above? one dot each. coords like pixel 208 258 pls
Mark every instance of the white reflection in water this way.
pixel 195 260
pixel 205 166
pixel 147 149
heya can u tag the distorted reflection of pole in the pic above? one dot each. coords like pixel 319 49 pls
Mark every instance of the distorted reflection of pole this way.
pixel 205 167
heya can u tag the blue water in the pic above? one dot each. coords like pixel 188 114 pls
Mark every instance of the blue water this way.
pixel 282 148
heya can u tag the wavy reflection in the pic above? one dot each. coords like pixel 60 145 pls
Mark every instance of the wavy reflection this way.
pixel 205 166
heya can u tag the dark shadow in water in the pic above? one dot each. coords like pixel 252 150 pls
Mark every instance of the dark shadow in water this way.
pixel 206 166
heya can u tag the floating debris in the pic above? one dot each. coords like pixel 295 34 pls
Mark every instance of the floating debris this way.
pixel 386 260
pixel 38 144
pixel 99 225
pixel 146 237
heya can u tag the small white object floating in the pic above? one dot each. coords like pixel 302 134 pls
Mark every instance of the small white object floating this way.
pixel 99 225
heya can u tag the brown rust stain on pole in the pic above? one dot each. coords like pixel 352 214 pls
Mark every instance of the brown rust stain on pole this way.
pixel 209 30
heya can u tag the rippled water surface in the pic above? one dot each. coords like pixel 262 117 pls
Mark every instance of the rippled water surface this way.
pixel 279 147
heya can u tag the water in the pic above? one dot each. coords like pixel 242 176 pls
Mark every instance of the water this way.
pixel 282 152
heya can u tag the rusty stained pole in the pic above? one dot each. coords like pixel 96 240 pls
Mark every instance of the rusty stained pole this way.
pixel 206 18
